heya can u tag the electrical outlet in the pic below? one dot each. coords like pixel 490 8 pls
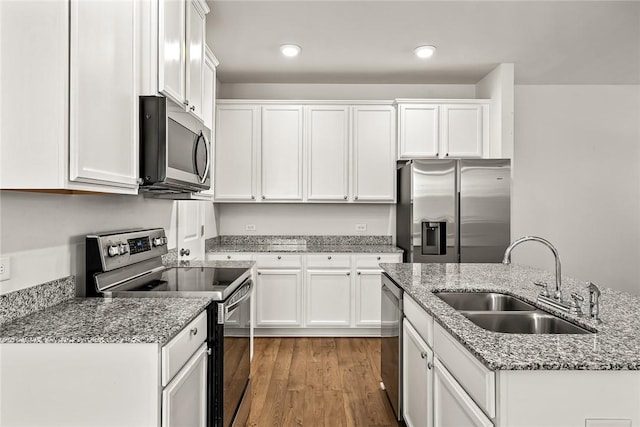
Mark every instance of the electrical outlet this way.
pixel 5 268
pixel 361 227
pixel 250 227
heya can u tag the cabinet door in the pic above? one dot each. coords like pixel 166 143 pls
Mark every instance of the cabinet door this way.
pixel 190 230
pixel 209 92
pixel 452 406
pixel 103 125
pixel 171 49
pixel 462 130
pixel 328 296
pixel 281 152
pixel 235 152
pixel 374 154
pixel 195 57
pixel 417 379
pixel 368 296
pixel 184 399
pixel 327 136
pixel 278 298
pixel 418 131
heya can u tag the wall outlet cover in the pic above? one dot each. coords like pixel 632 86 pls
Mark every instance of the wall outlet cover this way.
pixel 361 227
pixel 5 268
pixel 250 227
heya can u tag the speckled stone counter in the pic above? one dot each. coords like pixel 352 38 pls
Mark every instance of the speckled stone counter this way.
pixel 303 244
pixel 615 345
pixel 98 320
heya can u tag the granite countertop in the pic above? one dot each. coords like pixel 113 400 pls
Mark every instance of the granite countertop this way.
pixel 115 320
pixel 302 244
pixel 305 248
pixel 99 320
pixel 615 345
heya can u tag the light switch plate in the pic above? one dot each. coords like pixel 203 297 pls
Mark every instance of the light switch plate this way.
pixel 5 268
pixel 250 227
pixel 361 227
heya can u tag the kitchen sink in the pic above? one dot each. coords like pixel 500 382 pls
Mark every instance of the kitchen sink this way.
pixel 498 312
pixel 523 322
pixel 484 301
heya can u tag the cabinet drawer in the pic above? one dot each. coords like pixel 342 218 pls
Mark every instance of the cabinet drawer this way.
pixel 372 260
pixel 478 381
pixel 229 256
pixel 420 319
pixel 178 351
pixel 279 261
pixel 329 260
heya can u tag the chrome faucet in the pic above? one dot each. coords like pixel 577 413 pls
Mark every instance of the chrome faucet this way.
pixel 594 302
pixel 507 260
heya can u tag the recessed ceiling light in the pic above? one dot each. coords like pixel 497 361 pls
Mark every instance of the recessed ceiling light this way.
pixel 290 50
pixel 424 51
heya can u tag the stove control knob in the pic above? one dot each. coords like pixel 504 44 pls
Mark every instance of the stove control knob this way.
pixel 159 241
pixel 122 248
pixel 113 250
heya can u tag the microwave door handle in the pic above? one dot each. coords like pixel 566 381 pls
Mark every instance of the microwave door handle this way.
pixel 207 148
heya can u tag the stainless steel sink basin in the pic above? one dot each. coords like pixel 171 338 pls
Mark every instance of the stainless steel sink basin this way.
pixel 484 301
pixel 523 322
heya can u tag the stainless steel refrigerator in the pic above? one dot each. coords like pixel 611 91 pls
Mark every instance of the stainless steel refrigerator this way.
pixel 454 210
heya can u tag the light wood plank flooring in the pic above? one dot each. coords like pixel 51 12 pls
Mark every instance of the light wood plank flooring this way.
pixel 318 382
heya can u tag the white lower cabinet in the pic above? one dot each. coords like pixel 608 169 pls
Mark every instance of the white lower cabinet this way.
pixel 452 406
pixel 368 297
pixel 184 399
pixel 279 298
pixel 328 295
pixel 103 384
pixel 417 379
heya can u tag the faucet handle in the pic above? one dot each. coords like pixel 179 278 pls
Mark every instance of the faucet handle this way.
pixel 594 302
pixel 545 288
pixel 574 305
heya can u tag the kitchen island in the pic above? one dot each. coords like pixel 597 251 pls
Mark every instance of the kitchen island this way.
pixel 590 379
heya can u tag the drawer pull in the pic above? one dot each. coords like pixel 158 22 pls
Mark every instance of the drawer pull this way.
pixel 329 257
pixel 193 331
pixel 359 273
pixel 348 274
pixel 279 257
pixel 228 256
pixel 378 258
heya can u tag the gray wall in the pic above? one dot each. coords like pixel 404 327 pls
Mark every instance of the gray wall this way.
pixel 577 180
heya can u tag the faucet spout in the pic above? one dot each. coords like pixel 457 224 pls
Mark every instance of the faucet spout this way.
pixel 507 259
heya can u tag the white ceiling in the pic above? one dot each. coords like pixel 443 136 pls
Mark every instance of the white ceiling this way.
pixel 550 42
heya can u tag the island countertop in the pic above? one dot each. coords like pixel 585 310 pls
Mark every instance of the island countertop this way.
pixel 615 345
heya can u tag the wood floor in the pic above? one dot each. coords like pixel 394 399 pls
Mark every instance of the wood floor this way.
pixel 318 382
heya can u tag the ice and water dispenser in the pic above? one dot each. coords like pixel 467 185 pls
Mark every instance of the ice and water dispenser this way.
pixel 434 238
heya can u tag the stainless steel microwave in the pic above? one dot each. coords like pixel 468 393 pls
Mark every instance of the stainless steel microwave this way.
pixel 175 152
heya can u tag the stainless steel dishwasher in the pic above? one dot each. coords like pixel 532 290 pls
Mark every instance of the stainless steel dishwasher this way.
pixel 391 343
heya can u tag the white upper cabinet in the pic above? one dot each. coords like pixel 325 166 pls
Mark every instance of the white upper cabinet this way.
pixel 181 47
pixel 418 130
pixel 171 50
pixel 327 165
pixel 439 129
pixel 195 57
pixel 463 130
pixel 103 125
pixel 374 153
pixel 281 153
pixel 236 142
pixel 70 122
pixel 209 89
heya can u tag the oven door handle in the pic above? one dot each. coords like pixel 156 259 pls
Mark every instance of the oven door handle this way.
pixel 224 310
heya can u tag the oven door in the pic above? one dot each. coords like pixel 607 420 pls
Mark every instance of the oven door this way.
pixel 231 355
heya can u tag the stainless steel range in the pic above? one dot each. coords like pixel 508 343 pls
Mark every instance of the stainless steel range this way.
pixel 129 264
